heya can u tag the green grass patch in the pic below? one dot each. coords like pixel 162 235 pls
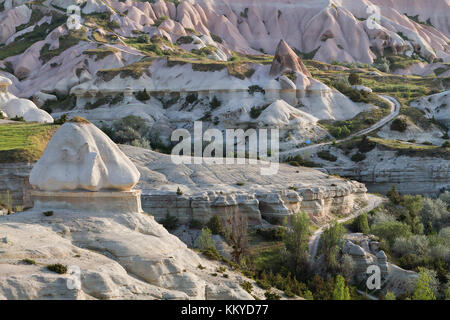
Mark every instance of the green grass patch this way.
pixel 24 142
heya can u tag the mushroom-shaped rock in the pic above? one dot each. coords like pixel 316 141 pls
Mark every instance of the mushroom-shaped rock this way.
pixel 286 60
pixel 26 109
pixel 4 84
pixel 80 156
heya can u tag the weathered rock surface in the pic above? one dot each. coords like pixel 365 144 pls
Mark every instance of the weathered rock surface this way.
pixel 286 60
pixel 210 189
pixel 365 252
pixel 436 106
pixel 120 256
pixel 80 156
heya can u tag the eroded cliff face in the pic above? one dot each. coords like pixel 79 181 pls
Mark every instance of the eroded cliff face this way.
pixel 209 190
pixel 411 175
pixel 217 189
pixel 14 178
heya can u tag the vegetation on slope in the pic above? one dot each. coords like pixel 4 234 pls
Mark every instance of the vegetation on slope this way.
pixel 24 142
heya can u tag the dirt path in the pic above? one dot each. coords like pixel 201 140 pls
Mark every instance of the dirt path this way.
pixel 373 202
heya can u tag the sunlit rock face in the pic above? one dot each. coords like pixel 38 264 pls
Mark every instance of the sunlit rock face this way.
pixel 287 60
pixel 81 157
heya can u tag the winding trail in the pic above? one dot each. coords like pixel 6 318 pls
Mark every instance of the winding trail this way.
pixel 395 110
pixel 373 201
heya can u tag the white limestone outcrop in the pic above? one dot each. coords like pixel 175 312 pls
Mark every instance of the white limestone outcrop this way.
pixel 80 156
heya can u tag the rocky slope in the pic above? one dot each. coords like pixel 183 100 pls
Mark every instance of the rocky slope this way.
pixel 108 253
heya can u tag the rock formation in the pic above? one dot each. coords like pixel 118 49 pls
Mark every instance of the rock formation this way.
pixel 286 60
pixel 80 156
pixel 112 249
pixel 13 107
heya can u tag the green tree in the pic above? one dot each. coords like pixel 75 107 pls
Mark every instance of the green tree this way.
pixel 362 223
pixel 391 230
pixel 413 206
pixel 296 240
pixel 330 243
pixel 393 195
pixel 215 224
pixel 205 241
pixel 424 290
pixel 341 291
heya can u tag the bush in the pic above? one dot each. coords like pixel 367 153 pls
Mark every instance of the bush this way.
pixel 215 225
pixel 390 231
pixel 446 144
pixel 298 161
pixel 143 38
pixel 272 234
pixel 205 241
pixel 399 124
pixel 169 222
pixel 216 38
pixel 247 286
pixel 185 40
pixel 58 268
pixel 255 88
pixel 354 79
pixel 47 213
pixel 142 95
pixel 63 119
pixel 357 157
pixel 340 131
pixel 326 155
pixel 179 192
pixel 215 103
pixel 191 98
pixel 272 295
pixel 361 224
pixel 28 261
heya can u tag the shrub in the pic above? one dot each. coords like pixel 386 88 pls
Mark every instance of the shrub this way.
pixel 255 88
pixel 216 38
pixel 143 38
pixel 47 213
pixel 255 112
pixel 326 155
pixel 366 145
pixel 191 98
pixel 215 225
pixel 399 124
pixel 58 268
pixel 142 95
pixel 205 241
pixel 185 40
pixel 179 192
pixel 298 161
pixel 357 157
pixel 446 144
pixel 28 261
pixel 272 295
pixel 247 286
pixel 340 131
pixel 391 230
pixel 272 234
pixel 354 79
pixel 415 244
pixel 63 119
pixel 361 224
pixel 169 222
pixel 215 103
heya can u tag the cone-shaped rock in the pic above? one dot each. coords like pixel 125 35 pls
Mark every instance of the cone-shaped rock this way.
pixel 80 156
pixel 286 60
